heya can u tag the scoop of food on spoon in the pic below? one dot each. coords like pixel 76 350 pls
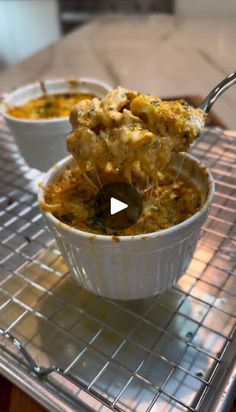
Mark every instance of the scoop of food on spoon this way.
pixel 132 135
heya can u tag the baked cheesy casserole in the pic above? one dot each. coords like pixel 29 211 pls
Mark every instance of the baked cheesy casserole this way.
pixel 48 106
pixel 127 136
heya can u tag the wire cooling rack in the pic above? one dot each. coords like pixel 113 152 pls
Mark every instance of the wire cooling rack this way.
pixel 73 351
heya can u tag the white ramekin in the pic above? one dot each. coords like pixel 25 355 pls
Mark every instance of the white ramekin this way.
pixel 43 142
pixel 132 267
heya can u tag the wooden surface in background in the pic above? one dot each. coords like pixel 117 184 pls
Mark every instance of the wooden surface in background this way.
pixel 12 399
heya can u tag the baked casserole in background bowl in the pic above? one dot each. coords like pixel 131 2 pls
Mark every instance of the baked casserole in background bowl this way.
pixel 39 121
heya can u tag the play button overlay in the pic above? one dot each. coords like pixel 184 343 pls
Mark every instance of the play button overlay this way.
pixel 118 205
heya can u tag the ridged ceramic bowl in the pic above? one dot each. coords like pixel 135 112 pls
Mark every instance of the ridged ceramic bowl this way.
pixel 43 142
pixel 132 267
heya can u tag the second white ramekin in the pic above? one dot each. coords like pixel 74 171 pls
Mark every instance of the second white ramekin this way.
pixel 43 142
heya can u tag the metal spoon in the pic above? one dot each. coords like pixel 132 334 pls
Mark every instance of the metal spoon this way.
pixel 217 91
pixel 211 98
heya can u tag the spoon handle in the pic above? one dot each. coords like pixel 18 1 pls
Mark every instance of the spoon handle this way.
pixel 217 91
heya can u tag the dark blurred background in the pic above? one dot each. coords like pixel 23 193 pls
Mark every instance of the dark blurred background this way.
pixel 74 12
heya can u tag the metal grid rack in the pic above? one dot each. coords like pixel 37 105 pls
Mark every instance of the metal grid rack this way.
pixel 174 352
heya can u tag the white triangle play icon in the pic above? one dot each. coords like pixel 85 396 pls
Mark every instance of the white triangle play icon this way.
pixel 116 206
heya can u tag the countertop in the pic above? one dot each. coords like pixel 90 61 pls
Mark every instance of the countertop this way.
pixel 158 54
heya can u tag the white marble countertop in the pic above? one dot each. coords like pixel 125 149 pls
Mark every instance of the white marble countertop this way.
pixel 163 55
